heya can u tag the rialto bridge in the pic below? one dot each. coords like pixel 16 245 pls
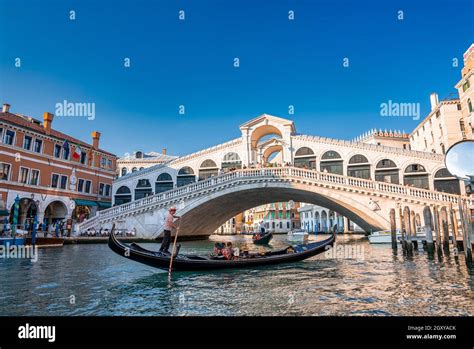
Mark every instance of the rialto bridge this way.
pixel 270 162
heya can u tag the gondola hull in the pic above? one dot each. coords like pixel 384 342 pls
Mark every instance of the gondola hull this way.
pixel 263 240
pixel 196 263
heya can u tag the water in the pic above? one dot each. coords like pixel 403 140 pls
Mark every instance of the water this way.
pixel 92 280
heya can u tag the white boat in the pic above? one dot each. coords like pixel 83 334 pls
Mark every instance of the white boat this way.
pixel 385 236
pixel 298 235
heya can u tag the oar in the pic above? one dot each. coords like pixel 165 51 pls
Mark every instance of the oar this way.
pixel 173 249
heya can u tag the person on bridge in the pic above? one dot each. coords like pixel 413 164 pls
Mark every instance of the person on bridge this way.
pixel 169 226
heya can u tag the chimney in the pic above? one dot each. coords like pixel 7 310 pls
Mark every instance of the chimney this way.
pixel 163 151
pixel 47 121
pixel 6 108
pixel 95 139
pixel 434 100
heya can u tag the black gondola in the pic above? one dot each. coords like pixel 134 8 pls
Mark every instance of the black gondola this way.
pixel 262 240
pixel 193 262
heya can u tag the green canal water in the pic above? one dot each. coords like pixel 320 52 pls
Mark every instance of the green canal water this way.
pixel 92 280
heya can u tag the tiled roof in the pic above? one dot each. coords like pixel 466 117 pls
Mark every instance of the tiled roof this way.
pixel 28 123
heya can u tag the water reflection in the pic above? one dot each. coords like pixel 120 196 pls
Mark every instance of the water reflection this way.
pixel 381 283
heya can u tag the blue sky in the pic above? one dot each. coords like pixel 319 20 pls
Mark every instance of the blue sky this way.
pixel 282 63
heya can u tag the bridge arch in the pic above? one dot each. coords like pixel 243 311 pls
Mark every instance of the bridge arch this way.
pixel 231 160
pixel 185 176
pixel 415 175
pixel 305 157
pixel 123 195
pixel 143 189
pixel 331 162
pixel 208 169
pixel 163 182
pixel 445 182
pixel 386 170
pixel 359 167
pixel 204 215
pixel 262 131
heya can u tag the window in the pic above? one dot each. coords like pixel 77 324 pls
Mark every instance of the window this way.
pixel 23 176
pixel 88 186
pixel 80 185
pixel 4 171
pixel 465 86
pixel 34 178
pixel 469 105
pixel 107 190
pixel 9 137
pixel 103 162
pixel 54 180
pixel 109 163
pixel 38 145
pixel 101 189
pixel 65 153
pixel 57 151
pixel 1 133
pixel 83 157
pixel 63 182
pixel 27 143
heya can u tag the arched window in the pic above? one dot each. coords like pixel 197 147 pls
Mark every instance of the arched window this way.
pixel 416 176
pixel 142 168
pixel 139 155
pixel 208 169
pixel 134 169
pixel 469 105
pixel 358 167
pixel 163 183
pixel 444 181
pixel 122 196
pixel 305 158
pixel 231 161
pixel 143 189
pixel 386 171
pixel 124 171
pixel 331 162
pixel 185 176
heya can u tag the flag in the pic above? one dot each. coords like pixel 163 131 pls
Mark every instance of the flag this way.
pixel 77 152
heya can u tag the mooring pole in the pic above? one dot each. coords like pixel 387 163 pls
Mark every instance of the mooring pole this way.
pixel 437 230
pixel 466 232
pixel 393 228
pixel 454 226
pixel 428 218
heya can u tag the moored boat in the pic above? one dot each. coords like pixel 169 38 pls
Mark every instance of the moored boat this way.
pixel 264 239
pixel 184 262
pixel 299 235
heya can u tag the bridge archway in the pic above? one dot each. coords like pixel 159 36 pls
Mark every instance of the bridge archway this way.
pixel 444 181
pixel 358 167
pixel 387 171
pixel 185 176
pixel 163 183
pixel 123 195
pixel 331 162
pixel 415 175
pixel 262 131
pixel 231 161
pixel 208 169
pixel 143 189
pixel 204 215
pixel 305 158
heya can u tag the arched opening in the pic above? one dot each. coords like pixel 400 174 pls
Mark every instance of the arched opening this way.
pixel 139 154
pixel 143 189
pixel 81 213
pixel 387 171
pixel 267 131
pixel 208 169
pixel 185 176
pixel 55 212
pixel 324 221
pixel 273 154
pixel 305 158
pixel 231 161
pixel 142 168
pixel 134 169
pixel 416 176
pixel 122 196
pixel 358 167
pixel 331 162
pixel 124 171
pixel 163 183
pixel 445 182
pixel 317 223
pixel 27 211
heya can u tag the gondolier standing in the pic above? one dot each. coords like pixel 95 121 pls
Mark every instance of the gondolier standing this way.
pixel 169 226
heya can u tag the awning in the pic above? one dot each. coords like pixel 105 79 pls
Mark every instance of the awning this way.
pixel 80 202
pixel 103 204
pixel 4 213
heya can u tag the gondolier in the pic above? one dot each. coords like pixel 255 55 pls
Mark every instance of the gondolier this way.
pixel 169 226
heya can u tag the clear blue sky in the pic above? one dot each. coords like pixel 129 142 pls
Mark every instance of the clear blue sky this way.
pixel 282 62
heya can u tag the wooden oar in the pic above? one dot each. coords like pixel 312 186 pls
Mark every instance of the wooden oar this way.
pixel 173 249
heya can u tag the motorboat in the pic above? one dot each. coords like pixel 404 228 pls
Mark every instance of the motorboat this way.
pixel 298 235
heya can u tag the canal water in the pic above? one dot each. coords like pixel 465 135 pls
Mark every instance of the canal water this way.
pixel 359 279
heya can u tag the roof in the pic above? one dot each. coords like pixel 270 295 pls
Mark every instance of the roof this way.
pixel 32 124
pixel 269 117
pixel 149 157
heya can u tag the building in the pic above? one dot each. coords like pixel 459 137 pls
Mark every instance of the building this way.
pixel 397 139
pixel 318 219
pixel 140 160
pixel 55 176
pixel 278 217
pixel 449 121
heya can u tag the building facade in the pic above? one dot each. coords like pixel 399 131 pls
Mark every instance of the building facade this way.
pixel 318 219
pixel 54 176
pixel 277 217
pixel 140 160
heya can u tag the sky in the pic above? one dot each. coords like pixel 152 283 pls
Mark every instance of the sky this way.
pixel 191 63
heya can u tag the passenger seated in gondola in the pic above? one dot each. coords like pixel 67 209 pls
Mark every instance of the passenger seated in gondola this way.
pixel 228 251
pixel 218 247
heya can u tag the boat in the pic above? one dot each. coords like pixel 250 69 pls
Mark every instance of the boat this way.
pixel 298 235
pixel 184 262
pixel 262 239
pixel 45 241
pixel 385 236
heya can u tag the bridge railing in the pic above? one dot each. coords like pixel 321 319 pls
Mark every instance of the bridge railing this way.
pixel 174 195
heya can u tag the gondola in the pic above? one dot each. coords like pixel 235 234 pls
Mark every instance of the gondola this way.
pixel 262 240
pixel 184 262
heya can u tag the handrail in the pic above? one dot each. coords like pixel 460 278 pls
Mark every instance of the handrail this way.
pixel 277 173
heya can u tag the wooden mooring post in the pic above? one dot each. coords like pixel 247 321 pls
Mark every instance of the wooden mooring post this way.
pixel 445 229
pixel 393 228
pixel 407 221
pixel 437 231
pixel 466 231
pixel 428 218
